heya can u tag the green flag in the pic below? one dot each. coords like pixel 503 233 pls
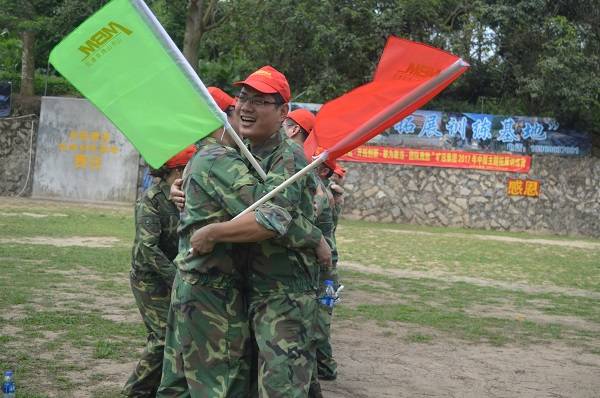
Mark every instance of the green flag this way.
pixel 122 60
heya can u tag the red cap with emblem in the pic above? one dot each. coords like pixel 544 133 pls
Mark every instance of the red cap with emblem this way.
pixel 268 80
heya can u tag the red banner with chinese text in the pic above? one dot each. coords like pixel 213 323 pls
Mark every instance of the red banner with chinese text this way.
pixel 439 158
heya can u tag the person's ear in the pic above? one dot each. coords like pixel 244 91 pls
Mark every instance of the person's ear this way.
pixel 283 111
pixel 295 131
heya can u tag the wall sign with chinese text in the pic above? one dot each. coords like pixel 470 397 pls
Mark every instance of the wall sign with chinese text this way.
pixel 485 133
pixel 80 155
pixel 524 135
pixel 88 148
pixel 523 187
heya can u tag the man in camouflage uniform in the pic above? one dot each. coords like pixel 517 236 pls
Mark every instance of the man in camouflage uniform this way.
pixel 152 271
pixel 326 364
pixel 206 354
pixel 298 126
pixel 207 335
pixel 282 273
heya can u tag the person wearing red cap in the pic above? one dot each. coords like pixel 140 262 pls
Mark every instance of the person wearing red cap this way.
pixel 282 274
pixel 283 278
pixel 299 124
pixel 337 189
pixel 153 271
pixel 207 339
pixel 227 104
pixel 326 364
pixel 223 100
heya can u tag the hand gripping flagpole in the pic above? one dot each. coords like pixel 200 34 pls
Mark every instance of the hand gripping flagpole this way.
pixel 377 120
pixel 187 70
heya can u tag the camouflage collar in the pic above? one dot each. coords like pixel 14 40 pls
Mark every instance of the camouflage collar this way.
pixel 266 147
pixel 165 188
pixel 208 140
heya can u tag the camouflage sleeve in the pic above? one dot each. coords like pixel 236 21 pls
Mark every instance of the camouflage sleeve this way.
pixel 235 189
pixel 337 207
pixel 323 210
pixel 148 235
pixel 325 217
pixel 302 232
pixel 273 218
pixel 337 210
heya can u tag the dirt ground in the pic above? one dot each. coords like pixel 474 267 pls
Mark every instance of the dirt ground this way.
pixel 376 361
pixel 379 361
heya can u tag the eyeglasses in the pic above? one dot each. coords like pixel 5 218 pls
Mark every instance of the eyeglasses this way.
pixel 256 101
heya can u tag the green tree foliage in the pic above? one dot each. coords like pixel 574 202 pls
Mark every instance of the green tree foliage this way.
pixel 531 57
pixel 35 26
pixel 26 19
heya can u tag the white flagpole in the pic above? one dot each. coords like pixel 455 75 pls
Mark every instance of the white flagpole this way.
pixel 244 149
pixel 189 72
pixel 320 159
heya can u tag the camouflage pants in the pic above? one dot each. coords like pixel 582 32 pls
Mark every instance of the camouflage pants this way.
pixel 284 327
pixel 206 347
pixel 326 365
pixel 152 298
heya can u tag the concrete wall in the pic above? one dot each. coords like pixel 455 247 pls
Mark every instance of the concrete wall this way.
pixel 17 154
pixel 569 203
pixel 81 155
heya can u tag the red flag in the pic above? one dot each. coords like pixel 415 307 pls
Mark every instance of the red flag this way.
pixel 408 75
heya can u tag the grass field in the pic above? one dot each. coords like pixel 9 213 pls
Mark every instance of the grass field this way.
pixel 70 327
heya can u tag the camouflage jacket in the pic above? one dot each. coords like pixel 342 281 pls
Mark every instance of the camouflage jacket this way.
pixel 287 264
pixel 337 208
pixel 155 244
pixel 217 187
pixel 325 213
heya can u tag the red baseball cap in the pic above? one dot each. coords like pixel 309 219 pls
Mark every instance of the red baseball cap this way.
pixel 182 158
pixel 303 118
pixel 222 99
pixel 268 80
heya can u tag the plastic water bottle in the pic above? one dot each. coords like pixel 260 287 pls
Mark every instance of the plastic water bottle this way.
pixel 328 298
pixel 8 387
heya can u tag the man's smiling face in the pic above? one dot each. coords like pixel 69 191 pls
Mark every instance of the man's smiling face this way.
pixel 260 116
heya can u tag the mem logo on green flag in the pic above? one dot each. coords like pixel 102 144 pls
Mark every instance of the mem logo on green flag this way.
pixel 102 38
pixel 124 63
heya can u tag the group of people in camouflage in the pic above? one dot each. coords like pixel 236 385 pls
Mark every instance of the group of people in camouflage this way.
pixel 231 306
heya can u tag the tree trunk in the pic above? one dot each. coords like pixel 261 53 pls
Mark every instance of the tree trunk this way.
pixel 27 63
pixel 193 32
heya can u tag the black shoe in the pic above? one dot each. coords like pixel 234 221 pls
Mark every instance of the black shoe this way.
pixel 327 377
